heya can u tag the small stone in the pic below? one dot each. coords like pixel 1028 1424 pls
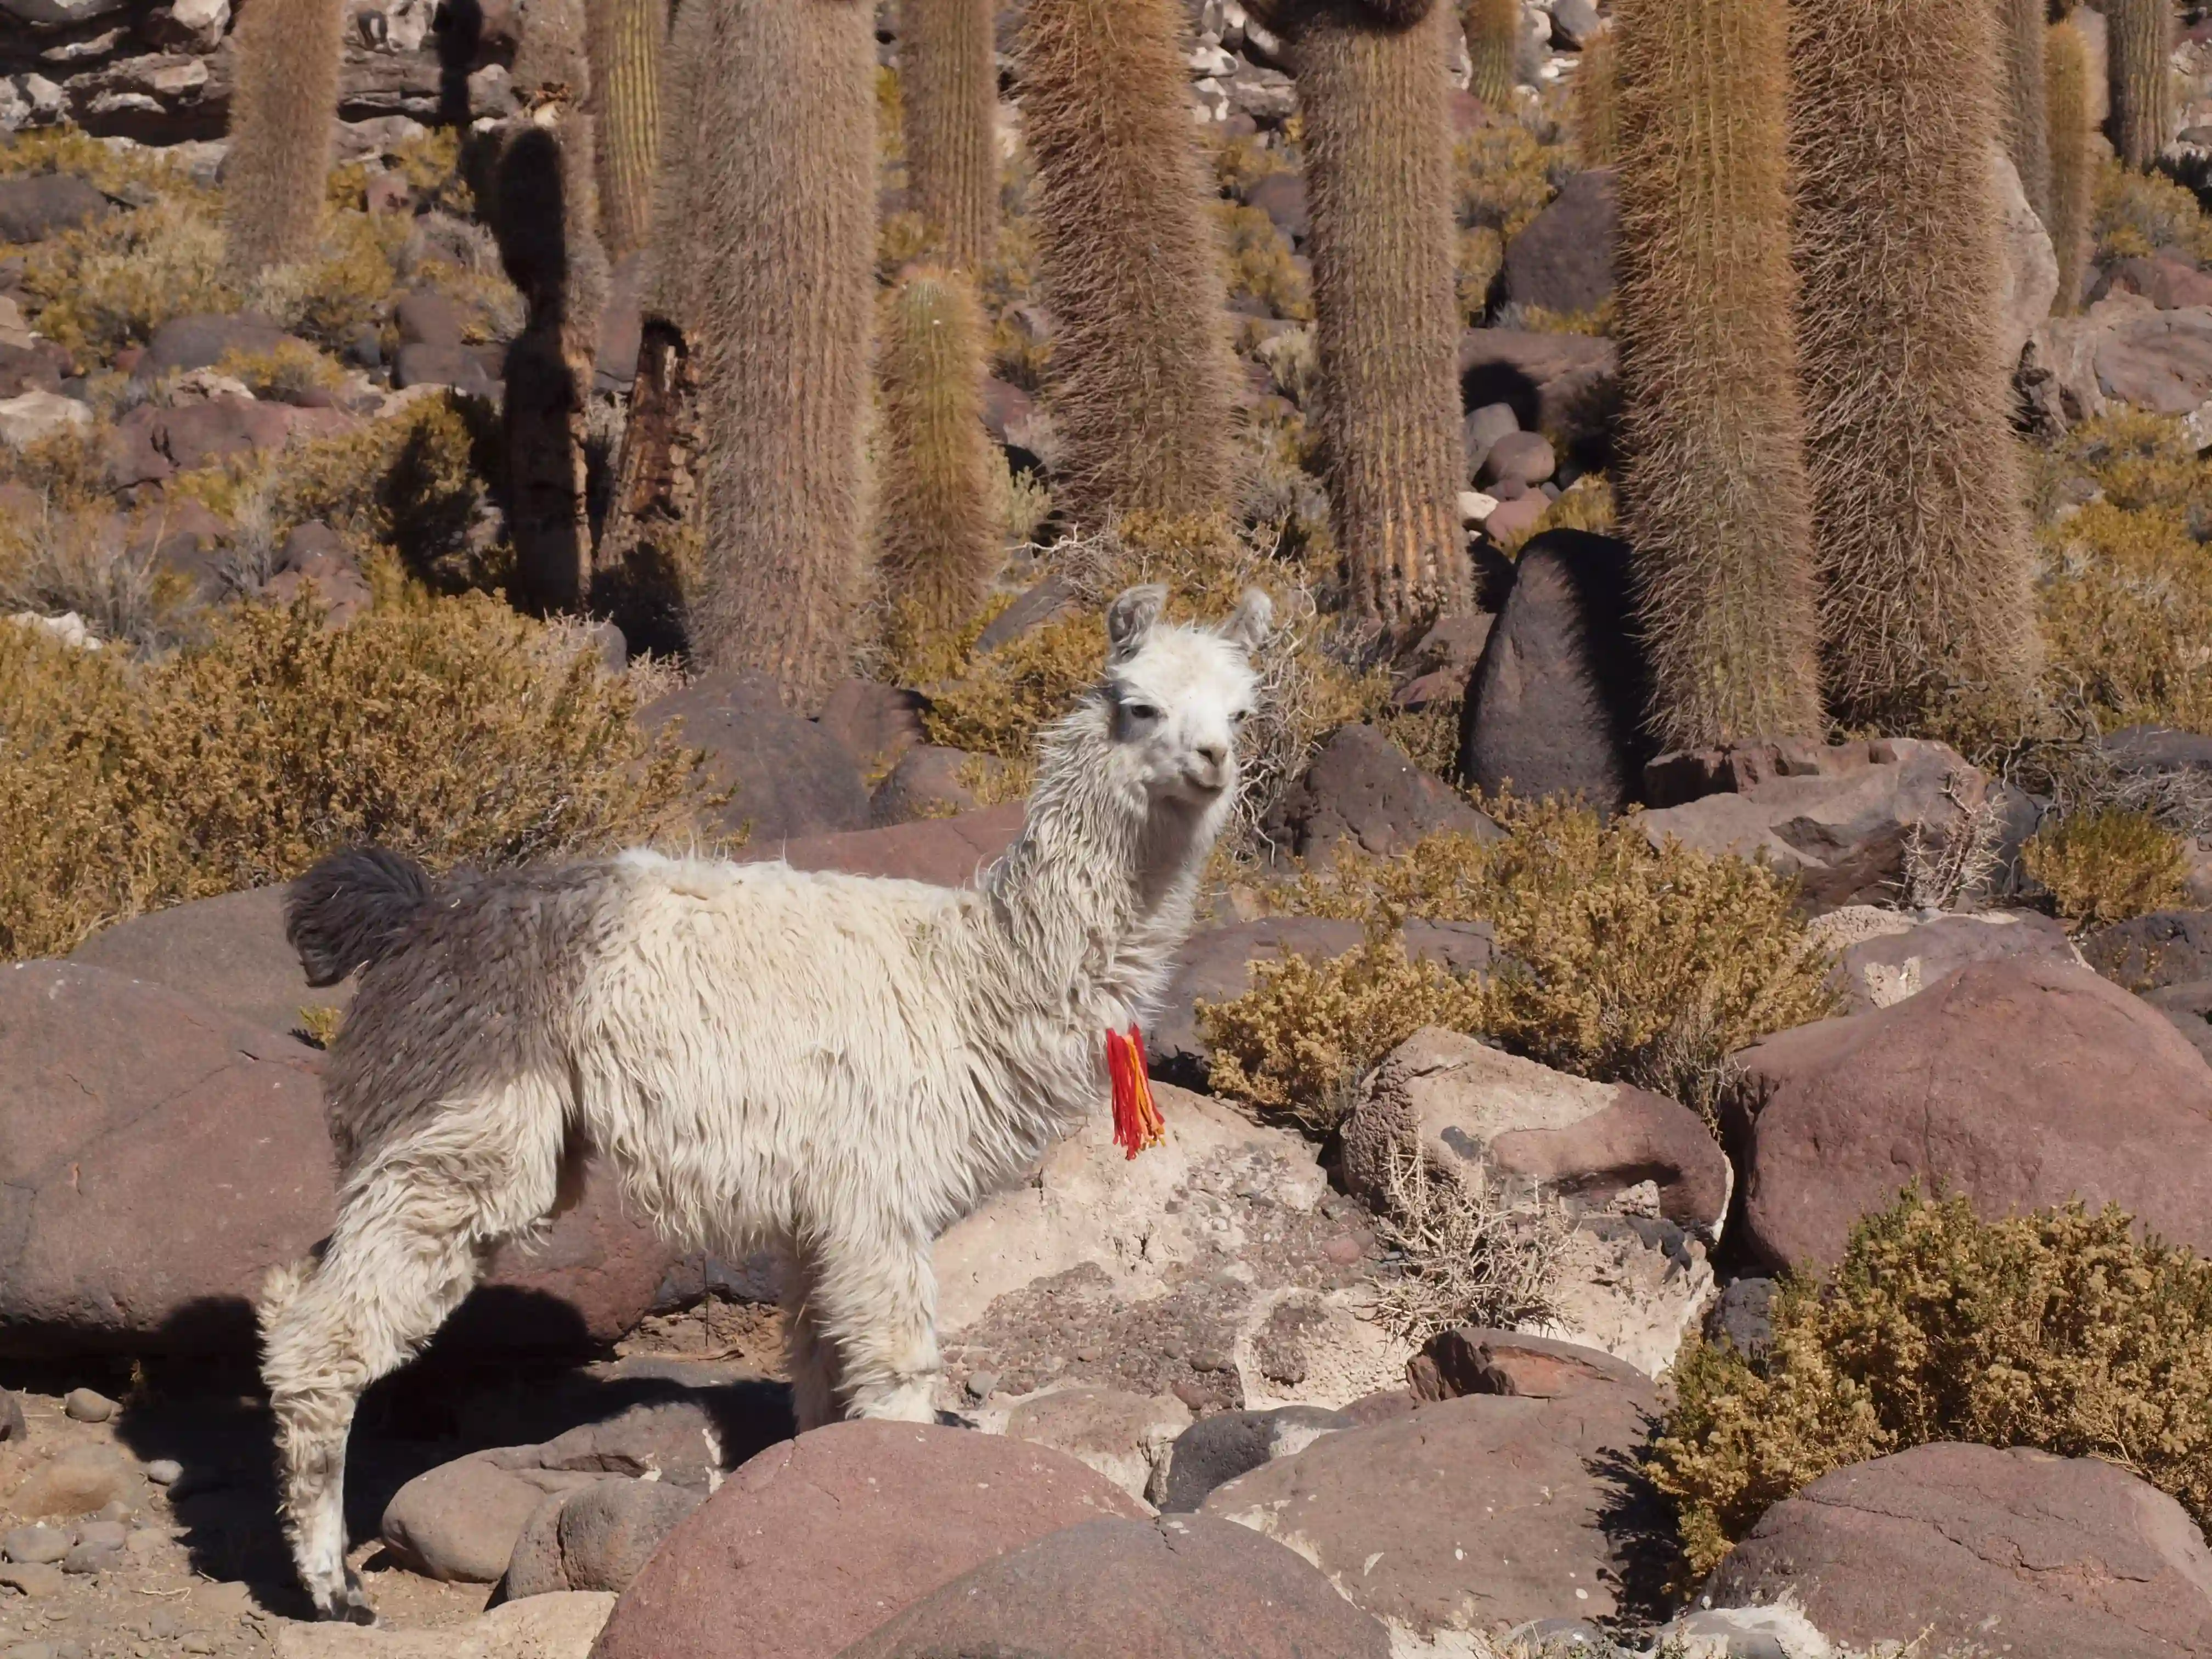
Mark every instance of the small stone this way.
pixel 33 1578
pixel 102 1534
pixel 165 1471
pixel 981 1384
pixel 35 1544
pixel 88 1406
pixel 198 1642
pixel 85 1560
pixel 144 1542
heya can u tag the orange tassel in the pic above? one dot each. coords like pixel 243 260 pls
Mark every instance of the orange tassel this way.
pixel 1137 1123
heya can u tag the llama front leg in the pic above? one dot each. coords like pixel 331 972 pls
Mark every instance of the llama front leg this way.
pixel 875 1299
pixel 813 1356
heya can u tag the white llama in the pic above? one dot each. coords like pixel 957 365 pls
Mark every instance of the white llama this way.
pixel 836 1066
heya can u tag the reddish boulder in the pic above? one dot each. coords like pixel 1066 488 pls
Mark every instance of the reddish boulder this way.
pixel 787 776
pixel 229 952
pixel 1361 787
pixel 1563 260
pixel 2167 947
pixel 877 723
pixel 149 444
pixel 943 852
pixel 1474 1359
pixel 2016 1082
pixel 931 782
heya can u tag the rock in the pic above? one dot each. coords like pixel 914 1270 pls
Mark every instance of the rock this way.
pixel 931 782
pixel 38 367
pixel 676 1440
pixel 877 723
pixel 1554 383
pixel 819 1540
pixel 1469 1513
pixel 1562 261
pixel 201 340
pixel 11 1418
pixel 35 206
pixel 1556 705
pixel 1481 429
pixel 1218 1449
pixel 126 1092
pixel 1176 1587
pixel 1475 1359
pixel 1883 957
pixel 1536 1130
pixel 165 1471
pixel 315 555
pixel 34 1581
pixel 1124 1436
pixel 1523 458
pixel 622 327
pixel 2031 268
pixel 2017 1552
pixel 150 443
pixel 1215 965
pixel 1360 786
pixel 2015 1083
pixel 2166 947
pixel 88 1406
pixel 426 316
pixel 457 366
pixel 2165 279
pixel 30 416
pixel 229 952
pixel 1282 198
pixel 1576 24
pixel 1743 1316
pixel 945 852
pixel 1839 817
pixel 1776 1632
pixel 557 1626
pixel 99 1549
pixel 596 1538
pixel 82 1480
pixel 2160 361
pixel 2190 1009
pixel 459 1522
pixel 1051 599
pixel 789 777
pixel 1631 1286
pixel 42 1544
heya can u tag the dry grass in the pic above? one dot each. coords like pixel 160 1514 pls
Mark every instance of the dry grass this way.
pixel 1468 1256
pixel 286 372
pixel 75 559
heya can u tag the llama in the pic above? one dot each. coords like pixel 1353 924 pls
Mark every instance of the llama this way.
pixel 833 1066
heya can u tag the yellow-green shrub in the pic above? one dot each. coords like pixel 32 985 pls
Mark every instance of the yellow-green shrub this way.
pixel 112 283
pixel 1260 264
pixel 2060 1330
pixel 1505 176
pixel 2137 214
pixel 283 372
pixel 454 729
pixel 2107 865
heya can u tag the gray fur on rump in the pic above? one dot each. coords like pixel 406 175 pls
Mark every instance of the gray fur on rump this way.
pixel 353 909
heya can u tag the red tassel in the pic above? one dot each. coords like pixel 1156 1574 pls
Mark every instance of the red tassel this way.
pixel 1137 1123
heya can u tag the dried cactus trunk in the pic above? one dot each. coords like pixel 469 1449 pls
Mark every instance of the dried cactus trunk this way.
pixel 2072 169
pixel 1493 49
pixel 1719 508
pixel 1378 175
pixel 2021 24
pixel 1597 103
pixel 1129 268
pixel 948 73
pixel 779 293
pixel 2141 49
pixel 625 50
pixel 1926 610
pixel 937 512
pixel 282 108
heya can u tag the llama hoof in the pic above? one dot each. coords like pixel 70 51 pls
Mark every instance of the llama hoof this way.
pixel 349 1606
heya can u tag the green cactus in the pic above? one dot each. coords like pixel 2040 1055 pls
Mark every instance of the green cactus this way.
pixel 2139 33
pixel 949 77
pixel 1926 610
pixel 1139 379
pixel 2021 24
pixel 282 107
pixel 2072 168
pixel 1716 498
pixel 625 43
pixel 1493 29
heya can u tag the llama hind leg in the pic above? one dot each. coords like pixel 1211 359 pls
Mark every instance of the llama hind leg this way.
pixel 812 1356
pixel 876 1300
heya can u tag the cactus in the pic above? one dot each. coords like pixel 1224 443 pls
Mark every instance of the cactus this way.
pixel 2021 25
pixel 282 108
pixel 1139 379
pixel 1926 613
pixel 625 43
pixel 2072 169
pixel 782 203
pixel 1717 505
pixel 2141 36
pixel 949 76
pixel 1378 176
pixel 1597 103
pixel 938 506
pixel 1493 29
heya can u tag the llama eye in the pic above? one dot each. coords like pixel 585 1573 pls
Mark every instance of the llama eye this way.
pixel 1241 716
pixel 1141 711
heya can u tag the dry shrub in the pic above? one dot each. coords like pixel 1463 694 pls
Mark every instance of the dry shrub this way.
pixel 450 728
pixel 77 559
pixel 351 277
pixel 2059 1330
pixel 1504 176
pixel 2108 865
pixel 120 170
pixel 111 283
pixel 1468 1256
pixel 1260 266
pixel 1586 504
pixel 287 370
pixel 2134 214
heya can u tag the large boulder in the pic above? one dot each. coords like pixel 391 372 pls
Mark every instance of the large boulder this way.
pixel 458 1521
pixel 151 443
pixel 788 777
pixel 1216 1449
pixel 2031 267
pixel 817 1541
pixel 158 1156
pixel 1563 260
pixel 1555 705
pixel 596 1538
pixel 1176 1587
pixel 1883 955
pixel 933 782
pixel 943 852
pixel 1470 1513
pixel 2016 1553
pixel 202 341
pixel 2167 947
pixel 35 206
pixel 229 951
pixel 1360 788
pixel 1553 382
pixel 2015 1083
pixel 877 723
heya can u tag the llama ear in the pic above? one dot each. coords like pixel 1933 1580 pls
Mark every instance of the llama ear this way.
pixel 1254 618
pixel 1130 618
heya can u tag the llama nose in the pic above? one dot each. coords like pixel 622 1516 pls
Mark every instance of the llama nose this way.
pixel 1215 754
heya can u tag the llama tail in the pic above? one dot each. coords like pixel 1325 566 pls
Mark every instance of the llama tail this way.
pixel 351 910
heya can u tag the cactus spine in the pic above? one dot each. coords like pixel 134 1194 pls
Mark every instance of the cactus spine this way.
pixel 282 112
pixel 1719 508
pixel 2027 126
pixel 1494 51
pixel 782 198
pixel 2141 48
pixel 938 545
pixel 1129 267
pixel 1373 91
pixel 949 78
pixel 2066 71
pixel 625 54
pixel 1597 103
pixel 1925 602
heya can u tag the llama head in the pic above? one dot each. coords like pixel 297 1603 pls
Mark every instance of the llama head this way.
pixel 1176 698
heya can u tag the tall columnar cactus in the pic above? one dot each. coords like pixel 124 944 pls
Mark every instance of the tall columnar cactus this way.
pixel 625 41
pixel 2072 169
pixel 937 507
pixel 2021 25
pixel 1717 504
pixel 782 198
pixel 1372 85
pixel 2141 46
pixel 1597 103
pixel 1925 602
pixel 1493 49
pixel 283 107
pixel 1129 264
pixel 949 77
